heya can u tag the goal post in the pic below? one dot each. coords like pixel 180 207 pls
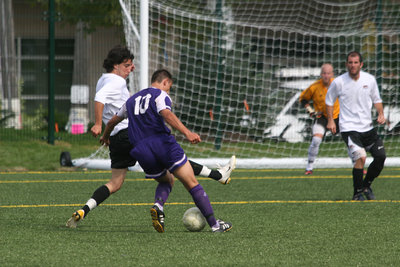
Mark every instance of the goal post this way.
pixel 240 65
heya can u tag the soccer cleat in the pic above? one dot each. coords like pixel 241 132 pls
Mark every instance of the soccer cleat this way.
pixel 76 217
pixel 227 170
pixel 358 196
pixel 157 216
pixel 368 193
pixel 223 227
pixel 308 172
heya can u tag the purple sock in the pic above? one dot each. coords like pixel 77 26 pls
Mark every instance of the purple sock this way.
pixel 162 193
pixel 203 203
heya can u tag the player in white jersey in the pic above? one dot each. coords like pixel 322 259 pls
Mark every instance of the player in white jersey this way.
pixel 358 92
pixel 111 94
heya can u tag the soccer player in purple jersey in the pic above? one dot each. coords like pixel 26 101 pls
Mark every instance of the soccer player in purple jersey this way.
pixel 157 151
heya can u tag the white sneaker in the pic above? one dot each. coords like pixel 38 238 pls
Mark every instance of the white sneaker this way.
pixel 76 217
pixel 226 171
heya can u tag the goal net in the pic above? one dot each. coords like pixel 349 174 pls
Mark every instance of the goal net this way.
pixel 239 67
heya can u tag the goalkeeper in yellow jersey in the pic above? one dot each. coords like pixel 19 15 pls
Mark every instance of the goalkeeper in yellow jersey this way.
pixel 316 93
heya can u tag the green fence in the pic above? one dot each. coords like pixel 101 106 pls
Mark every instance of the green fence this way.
pixel 83 34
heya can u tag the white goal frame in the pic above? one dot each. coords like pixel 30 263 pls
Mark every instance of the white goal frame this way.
pixel 286 78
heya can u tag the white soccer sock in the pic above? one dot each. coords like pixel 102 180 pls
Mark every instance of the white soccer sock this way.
pixel 313 151
pixel 91 203
pixel 159 206
pixel 309 166
pixel 205 172
pixel 215 227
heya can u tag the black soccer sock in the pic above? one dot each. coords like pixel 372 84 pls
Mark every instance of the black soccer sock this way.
pixel 374 170
pixel 358 180
pixel 86 209
pixel 101 194
pixel 201 170
pixel 216 175
pixel 196 167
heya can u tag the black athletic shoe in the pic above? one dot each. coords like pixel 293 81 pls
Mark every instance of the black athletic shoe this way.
pixel 223 227
pixel 368 193
pixel 358 196
pixel 157 216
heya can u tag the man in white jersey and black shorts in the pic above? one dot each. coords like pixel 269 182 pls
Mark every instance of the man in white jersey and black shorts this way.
pixel 111 94
pixel 357 92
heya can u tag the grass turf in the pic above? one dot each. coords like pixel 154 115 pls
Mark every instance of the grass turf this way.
pixel 280 218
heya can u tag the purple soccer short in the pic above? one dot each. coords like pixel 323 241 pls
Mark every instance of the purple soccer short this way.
pixel 157 154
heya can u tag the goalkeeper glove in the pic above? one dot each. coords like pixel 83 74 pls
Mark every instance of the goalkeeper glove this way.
pixel 310 110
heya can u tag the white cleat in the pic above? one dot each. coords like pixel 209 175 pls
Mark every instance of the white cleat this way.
pixel 226 171
pixel 76 217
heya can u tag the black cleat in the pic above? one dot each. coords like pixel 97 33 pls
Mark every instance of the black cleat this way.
pixel 368 193
pixel 358 196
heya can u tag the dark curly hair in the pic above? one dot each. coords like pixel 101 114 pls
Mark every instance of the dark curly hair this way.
pixel 116 56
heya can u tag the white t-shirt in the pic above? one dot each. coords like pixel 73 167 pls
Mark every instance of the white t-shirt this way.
pixel 356 99
pixel 111 90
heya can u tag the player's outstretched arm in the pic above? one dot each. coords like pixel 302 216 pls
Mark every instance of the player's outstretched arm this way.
pixel 173 120
pixel 109 127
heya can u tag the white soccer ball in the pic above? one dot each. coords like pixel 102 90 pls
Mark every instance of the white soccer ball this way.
pixel 193 220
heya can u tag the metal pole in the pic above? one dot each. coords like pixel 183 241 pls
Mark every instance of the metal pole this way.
pixel 379 45
pixel 144 44
pixel 220 71
pixel 51 73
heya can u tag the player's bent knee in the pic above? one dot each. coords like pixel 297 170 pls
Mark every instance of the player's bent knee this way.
pixel 185 174
pixel 167 178
pixel 380 160
pixel 359 154
pixel 316 141
pixel 113 186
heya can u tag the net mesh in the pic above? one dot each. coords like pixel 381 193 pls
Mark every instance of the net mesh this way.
pixel 239 67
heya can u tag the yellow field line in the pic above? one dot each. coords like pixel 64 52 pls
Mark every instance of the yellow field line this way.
pixel 205 179
pixel 65 181
pixel 213 203
pixel 56 172
pixel 308 177
pixel 236 171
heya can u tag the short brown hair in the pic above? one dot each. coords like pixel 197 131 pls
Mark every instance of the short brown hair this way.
pixel 160 75
pixel 354 54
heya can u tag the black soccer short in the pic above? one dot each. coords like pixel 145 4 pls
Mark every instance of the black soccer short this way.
pixel 324 122
pixel 119 151
pixel 370 141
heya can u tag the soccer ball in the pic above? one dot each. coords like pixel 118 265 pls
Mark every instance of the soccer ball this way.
pixel 193 220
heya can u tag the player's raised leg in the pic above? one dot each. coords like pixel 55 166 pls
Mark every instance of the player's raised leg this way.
pixel 222 174
pixel 227 170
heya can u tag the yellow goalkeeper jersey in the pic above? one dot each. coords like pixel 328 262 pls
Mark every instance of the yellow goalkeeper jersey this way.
pixel 317 92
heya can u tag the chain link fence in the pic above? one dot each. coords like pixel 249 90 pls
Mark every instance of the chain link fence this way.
pixel 84 33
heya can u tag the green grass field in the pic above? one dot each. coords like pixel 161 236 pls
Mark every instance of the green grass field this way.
pixel 280 218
